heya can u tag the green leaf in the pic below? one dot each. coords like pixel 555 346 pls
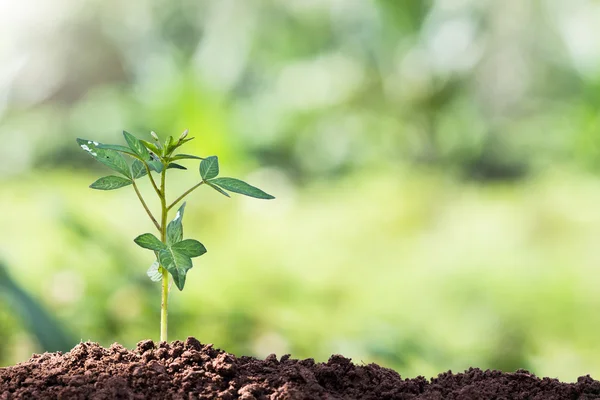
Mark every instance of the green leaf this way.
pixel 169 146
pixel 185 141
pixel 137 146
pixel 185 157
pixel 149 241
pixel 209 168
pixel 155 165
pixel 138 169
pixel 177 264
pixel 189 247
pixel 114 161
pixel 218 189
pixel 154 272
pixel 176 166
pixel 111 158
pixel 150 146
pixel 241 187
pixel 175 227
pixel 169 142
pixel 110 182
pixel 119 148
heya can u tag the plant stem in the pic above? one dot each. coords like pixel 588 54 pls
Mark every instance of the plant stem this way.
pixel 190 190
pixel 165 273
pixel 139 195
pixel 149 173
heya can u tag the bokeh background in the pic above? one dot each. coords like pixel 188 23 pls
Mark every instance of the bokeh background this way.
pixel 436 167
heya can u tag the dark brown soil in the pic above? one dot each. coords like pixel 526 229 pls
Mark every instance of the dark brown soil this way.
pixel 191 370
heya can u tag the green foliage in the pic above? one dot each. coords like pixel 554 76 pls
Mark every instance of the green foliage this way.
pixel 172 253
pixel 185 157
pixel 117 147
pixel 176 166
pixel 177 264
pixel 209 168
pixel 111 158
pixel 169 145
pixel 111 182
pixel 150 146
pixel 149 241
pixel 176 255
pixel 156 165
pixel 190 248
pixel 218 189
pixel 138 169
pixel 175 227
pixel 135 145
pixel 241 187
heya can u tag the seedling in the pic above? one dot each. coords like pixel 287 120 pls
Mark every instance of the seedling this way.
pixel 173 253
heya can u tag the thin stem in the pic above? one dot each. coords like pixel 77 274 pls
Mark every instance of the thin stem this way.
pixel 158 192
pixel 190 190
pixel 165 274
pixel 139 195
pixel 163 305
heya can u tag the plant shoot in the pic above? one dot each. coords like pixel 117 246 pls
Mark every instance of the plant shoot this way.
pixel 151 159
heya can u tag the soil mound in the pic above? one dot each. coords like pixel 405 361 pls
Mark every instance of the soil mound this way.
pixel 191 370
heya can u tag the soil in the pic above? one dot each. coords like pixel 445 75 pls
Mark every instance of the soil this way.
pixel 192 370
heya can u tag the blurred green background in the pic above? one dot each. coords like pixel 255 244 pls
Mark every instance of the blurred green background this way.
pixel 435 165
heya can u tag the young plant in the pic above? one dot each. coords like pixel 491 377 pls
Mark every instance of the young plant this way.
pixel 173 253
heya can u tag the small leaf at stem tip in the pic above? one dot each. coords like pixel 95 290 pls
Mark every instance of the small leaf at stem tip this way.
pixel 137 146
pixel 241 187
pixel 190 247
pixel 209 168
pixel 154 272
pixel 176 166
pixel 218 189
pixel 110 182
pixel 151 146
pixel 169 146
pixel 138 169
pixel 185 141
pixel 150 242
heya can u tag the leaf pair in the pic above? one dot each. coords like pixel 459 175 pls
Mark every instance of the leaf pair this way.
pixel 110 155
pixel 175 255
pixel 111 182
pixel 144 153
pixel 209 170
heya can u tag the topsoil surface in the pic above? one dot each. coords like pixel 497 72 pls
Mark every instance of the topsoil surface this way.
pixel 191 370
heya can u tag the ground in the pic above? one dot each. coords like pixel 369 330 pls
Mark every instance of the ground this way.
pixel 192 370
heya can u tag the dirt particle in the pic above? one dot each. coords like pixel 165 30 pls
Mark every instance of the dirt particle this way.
pixel 155 366
pixel 249 392
pixel 272 359
pixel 144 346
pixel 193 343
pixel 162 353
